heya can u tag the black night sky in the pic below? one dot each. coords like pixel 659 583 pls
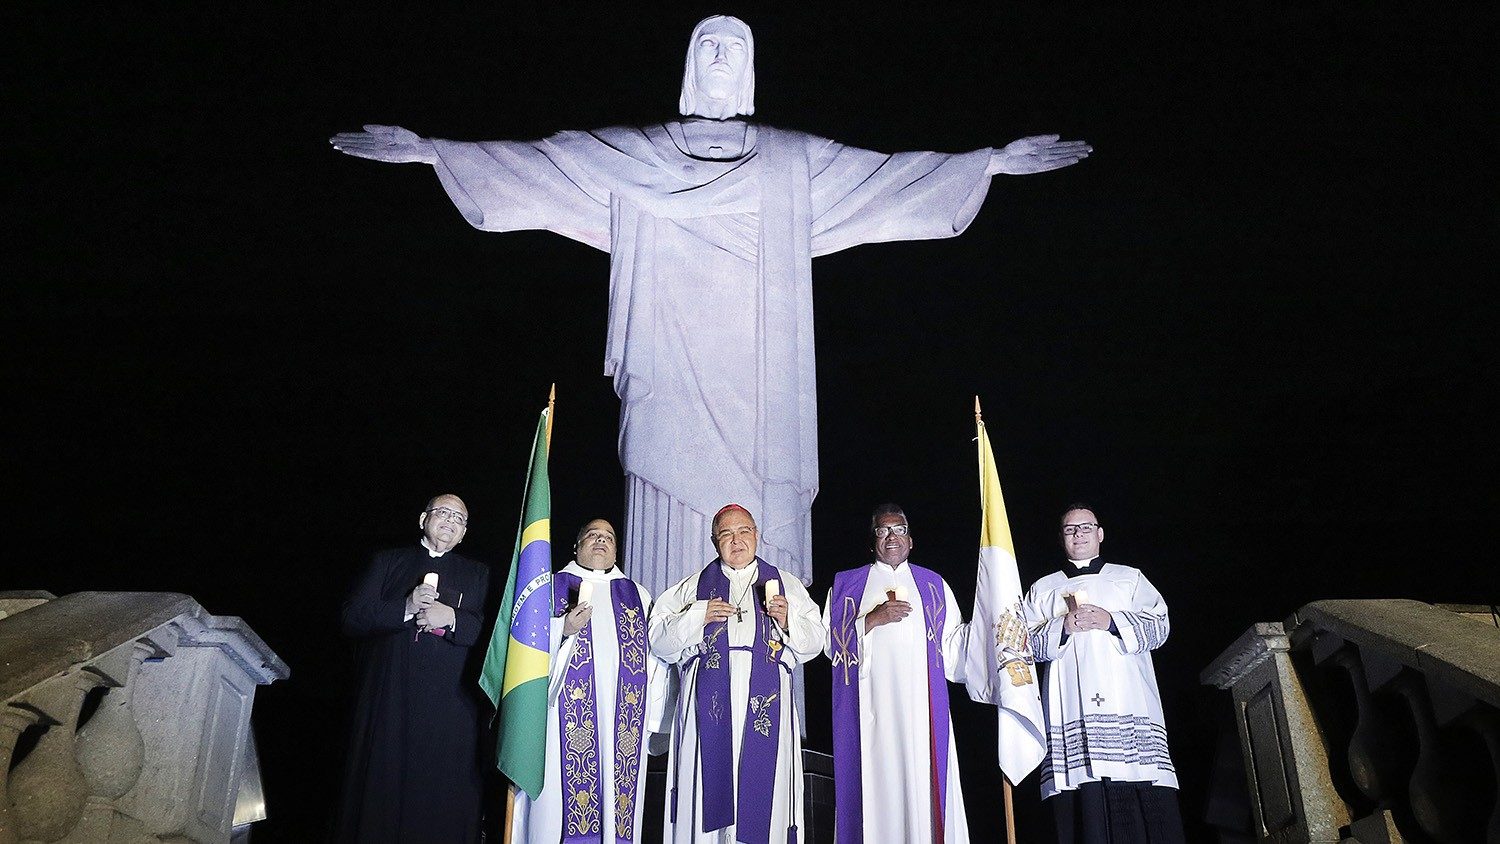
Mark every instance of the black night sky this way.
pixel 1250 329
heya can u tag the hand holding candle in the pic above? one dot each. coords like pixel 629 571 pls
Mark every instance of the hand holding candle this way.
pixel 582 611
pixel 776 604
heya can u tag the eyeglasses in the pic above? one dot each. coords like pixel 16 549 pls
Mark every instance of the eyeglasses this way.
pixel 446 515
pixel 1086 528
pixel 886 530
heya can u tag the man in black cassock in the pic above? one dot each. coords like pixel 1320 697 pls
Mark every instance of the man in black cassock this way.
pixel 413 771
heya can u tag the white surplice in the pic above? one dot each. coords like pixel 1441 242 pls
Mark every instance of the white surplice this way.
pixel 540 821
pixel 894 744
pixel 1104 715
pixel 676 636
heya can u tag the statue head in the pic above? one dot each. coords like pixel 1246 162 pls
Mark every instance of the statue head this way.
pixel 719 80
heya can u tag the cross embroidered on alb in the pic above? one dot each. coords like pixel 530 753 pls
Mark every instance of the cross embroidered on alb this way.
pixel 1097 699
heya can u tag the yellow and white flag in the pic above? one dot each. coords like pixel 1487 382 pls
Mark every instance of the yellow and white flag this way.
pixel 999 663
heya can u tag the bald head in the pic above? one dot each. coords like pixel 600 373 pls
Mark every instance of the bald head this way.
pixel 595 547
pixel 444 521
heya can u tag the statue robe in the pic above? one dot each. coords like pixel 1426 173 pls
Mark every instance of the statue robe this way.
pixel 540 821
pixel 890 666
pixel 677 637
pixel 710 302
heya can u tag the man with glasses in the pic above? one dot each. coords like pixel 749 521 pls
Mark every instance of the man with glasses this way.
pixel 735 770
pixel 604 697
pixel 413 770
pixel 896 640
pixel 1107 773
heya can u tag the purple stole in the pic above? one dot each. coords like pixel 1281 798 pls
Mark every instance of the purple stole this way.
pixel 762 734
pixel 578 722
pixel 848 591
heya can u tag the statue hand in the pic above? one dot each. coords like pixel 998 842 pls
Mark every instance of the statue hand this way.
pixel 1037 154
pixel 391 144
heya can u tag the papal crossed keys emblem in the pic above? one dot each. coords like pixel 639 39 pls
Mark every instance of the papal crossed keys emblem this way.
pixel 761 706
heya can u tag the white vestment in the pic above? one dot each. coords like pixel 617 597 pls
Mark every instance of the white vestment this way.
pixel 710 302
pixel 676 634
pixel 894 743
pixel 1104 716
pixel 540 821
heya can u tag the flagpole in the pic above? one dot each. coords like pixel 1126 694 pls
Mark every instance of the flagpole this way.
pixel 551 403
pixel 1010 807
pixel 510 811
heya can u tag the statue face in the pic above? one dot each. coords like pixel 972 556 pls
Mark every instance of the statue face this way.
pixel 596 547
pixel 720 56
pixel 734 536
pixel 1082 546
pixel 892 549
pixel 444 522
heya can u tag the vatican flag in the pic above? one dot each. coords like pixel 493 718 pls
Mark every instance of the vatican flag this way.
pixel 1000 668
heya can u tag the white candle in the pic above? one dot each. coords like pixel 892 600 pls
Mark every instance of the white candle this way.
pixel 431 579
pixel 773 588
pixel 899 591
pixel 1081 596
pixel 585 591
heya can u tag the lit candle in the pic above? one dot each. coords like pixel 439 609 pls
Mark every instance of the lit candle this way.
pixel 431 579
pixel 773 588
pixel 585 591
pixel 896 593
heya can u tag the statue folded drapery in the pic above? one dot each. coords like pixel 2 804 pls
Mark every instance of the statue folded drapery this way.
pixel 710 304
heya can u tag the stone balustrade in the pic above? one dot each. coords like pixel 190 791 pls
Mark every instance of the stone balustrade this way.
pixel 125 717
pixel 1369 721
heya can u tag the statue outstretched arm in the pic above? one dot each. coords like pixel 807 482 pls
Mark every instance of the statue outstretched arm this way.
pixel 391 144
pixel 1036 154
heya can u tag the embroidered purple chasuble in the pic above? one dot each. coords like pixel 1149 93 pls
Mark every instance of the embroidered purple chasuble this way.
pixel 579 726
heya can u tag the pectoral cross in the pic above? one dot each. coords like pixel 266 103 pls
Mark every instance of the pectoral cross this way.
pixel 739 613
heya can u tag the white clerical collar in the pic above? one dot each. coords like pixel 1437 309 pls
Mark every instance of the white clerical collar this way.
pixel 880 566
pixel 584 571
pixel 1083 564
pixel 432 552
pixel 738 574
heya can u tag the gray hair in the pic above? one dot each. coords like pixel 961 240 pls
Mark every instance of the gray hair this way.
pixel 887 510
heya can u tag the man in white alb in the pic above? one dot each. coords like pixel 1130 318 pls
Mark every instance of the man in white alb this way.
pixel 735 631
pixel 896 639
pixel 604 696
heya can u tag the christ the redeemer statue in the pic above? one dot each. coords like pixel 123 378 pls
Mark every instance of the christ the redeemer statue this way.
pixel 711 224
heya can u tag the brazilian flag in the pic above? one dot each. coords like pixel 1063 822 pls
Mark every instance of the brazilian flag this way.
pixel 517 663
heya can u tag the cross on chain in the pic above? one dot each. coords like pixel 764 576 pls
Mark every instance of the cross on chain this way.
pixel 1097 699
pixel 739 613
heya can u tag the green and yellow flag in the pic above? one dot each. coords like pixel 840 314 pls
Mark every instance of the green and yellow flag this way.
pixel 518 661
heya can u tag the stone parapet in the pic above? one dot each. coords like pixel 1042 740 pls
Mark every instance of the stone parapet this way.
pixel 125 716
pixel 1368 721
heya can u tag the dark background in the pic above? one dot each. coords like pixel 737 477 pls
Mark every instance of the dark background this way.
pixel 1250 329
